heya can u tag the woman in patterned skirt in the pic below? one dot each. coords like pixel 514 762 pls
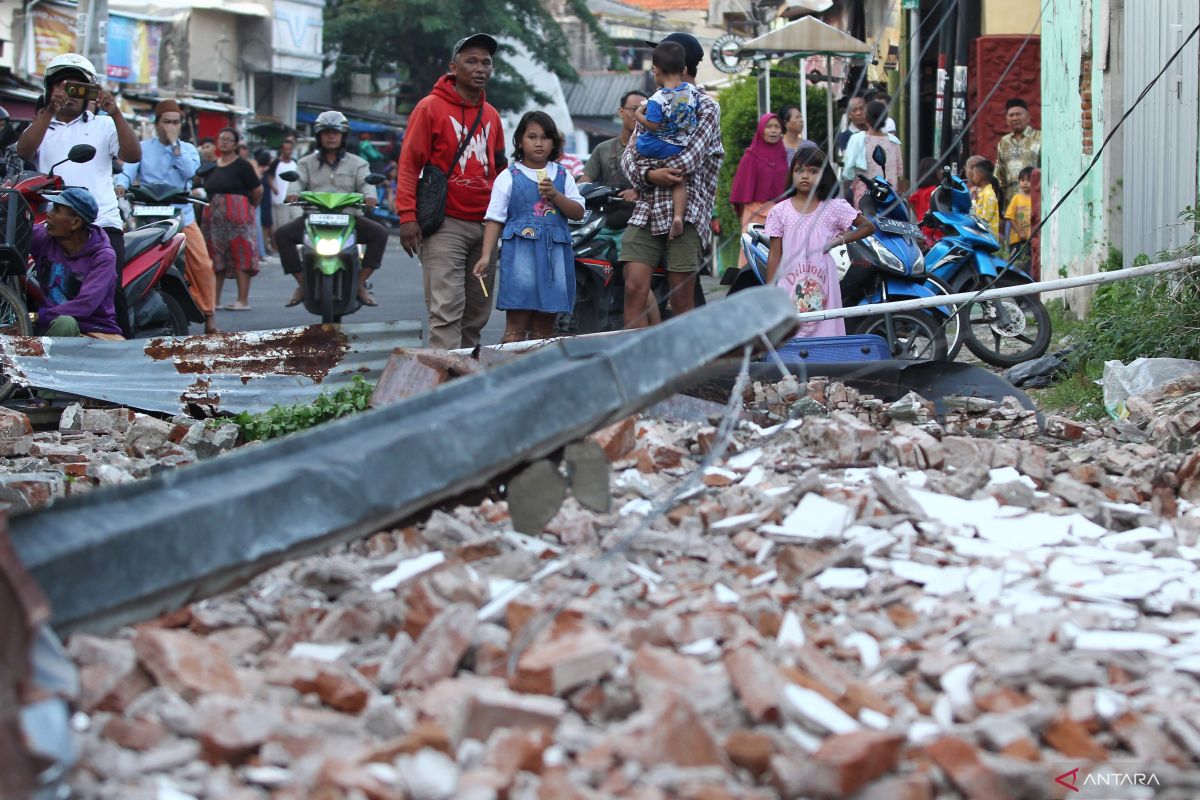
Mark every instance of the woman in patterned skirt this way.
pixel 234 192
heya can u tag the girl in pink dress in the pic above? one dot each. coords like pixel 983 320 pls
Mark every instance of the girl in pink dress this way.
pixel 803 229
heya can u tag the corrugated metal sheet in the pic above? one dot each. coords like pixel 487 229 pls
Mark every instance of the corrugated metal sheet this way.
pixel 225 372
pixel 598 94
pixel 1161 146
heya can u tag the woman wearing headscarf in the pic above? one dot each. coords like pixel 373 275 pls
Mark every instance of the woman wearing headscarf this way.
pixel 761 177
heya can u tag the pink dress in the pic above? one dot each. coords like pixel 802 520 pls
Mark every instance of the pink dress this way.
pixel 809 276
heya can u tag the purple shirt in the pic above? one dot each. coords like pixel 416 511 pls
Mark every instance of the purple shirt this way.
pixel 80 285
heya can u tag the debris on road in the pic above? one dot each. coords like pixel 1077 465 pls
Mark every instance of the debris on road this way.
pixel 857 600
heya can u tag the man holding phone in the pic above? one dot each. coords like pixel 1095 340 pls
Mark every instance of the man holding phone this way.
pixel 70 86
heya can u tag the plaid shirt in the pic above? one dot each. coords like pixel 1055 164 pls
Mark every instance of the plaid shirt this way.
pixel 700 161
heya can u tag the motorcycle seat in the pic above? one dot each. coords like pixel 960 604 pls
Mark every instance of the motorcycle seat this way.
pixel 139 240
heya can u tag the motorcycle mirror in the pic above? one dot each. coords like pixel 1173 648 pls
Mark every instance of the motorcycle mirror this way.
pixel 879 157
pixel 81 154
pixel 291 176
pixel 374 179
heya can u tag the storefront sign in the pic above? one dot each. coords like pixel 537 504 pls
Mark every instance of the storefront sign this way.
pixel 133 51
pixel 53 34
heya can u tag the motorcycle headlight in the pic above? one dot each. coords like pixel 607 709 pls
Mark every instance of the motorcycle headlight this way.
pixel 919 264
pixel 587 229
pixel 887 259
pixel 328 247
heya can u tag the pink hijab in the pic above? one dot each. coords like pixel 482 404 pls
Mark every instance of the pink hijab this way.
pixel 762 173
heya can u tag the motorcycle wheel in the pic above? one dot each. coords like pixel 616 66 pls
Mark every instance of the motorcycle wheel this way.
pixel 327 315
pixel 956 330
pixel 14 321
pixel 1027 336
pixel 178 324
pixel 918 336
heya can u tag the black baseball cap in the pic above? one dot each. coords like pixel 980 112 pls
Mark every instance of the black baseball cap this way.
pixel 475 40
pixel 693 51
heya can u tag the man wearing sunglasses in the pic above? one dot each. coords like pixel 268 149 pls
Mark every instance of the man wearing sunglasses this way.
pixel 65 122
pixel 168 160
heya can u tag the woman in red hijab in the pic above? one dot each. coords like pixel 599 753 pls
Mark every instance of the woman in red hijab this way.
pixel 761 177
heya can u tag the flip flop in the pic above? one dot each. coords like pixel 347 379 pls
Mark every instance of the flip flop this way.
pixel 294 301
pixel 234 307
pixel 366 299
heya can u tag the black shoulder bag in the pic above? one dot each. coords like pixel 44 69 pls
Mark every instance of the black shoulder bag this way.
pixel 433 184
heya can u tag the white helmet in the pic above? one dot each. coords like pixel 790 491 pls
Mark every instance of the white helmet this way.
pixel 69 62
pixel 330 121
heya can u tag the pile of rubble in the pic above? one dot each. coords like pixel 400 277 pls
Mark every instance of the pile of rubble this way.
pixel 855 601
pixel 97 447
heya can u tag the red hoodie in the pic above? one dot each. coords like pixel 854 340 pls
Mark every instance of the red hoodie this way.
pixel 435 129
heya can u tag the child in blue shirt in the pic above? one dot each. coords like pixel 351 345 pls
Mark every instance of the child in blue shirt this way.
pixel 669 119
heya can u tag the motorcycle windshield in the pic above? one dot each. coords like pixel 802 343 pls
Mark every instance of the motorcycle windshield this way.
pixel 332 200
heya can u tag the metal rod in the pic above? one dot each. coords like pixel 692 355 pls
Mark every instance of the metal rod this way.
pixel 996 294
pixel 829 103
pixel 914 92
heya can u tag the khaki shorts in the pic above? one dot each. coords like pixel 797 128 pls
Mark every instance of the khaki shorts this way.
pixel 683 254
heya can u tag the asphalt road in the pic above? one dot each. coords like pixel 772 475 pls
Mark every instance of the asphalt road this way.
pixel 396 285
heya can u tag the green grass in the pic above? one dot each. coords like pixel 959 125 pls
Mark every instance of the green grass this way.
pixel 282 420
pixel 1077 396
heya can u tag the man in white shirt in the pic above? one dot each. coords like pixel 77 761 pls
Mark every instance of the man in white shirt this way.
pixel 70 84
pixel 281 213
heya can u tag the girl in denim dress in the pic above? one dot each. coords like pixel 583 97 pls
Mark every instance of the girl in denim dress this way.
pixel 529 208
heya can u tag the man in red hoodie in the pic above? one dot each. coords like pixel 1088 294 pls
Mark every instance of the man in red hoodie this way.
pixel 458 305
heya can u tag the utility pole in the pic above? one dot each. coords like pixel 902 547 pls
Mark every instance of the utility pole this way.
pixel 914 89
pixel 92 34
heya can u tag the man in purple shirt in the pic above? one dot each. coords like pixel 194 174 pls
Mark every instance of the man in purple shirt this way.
pixel 76 268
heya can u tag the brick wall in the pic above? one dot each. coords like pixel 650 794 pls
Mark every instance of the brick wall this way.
pixel 989 56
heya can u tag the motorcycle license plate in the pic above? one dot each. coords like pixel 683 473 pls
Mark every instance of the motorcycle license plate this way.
pixel 153 211
pixel 897 227
pixel 329 219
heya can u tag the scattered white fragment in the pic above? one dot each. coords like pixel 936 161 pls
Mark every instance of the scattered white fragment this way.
pixel 1110 704
pixel 652 578
pixel 814 518
pixel 734 522
pixel 767 577
pixel 720 472
pixel 429 774
pixel 700 647
pixel 874 719
pixel 1140 535
pixel 406 570
pixel 267 775
pixel 745 460
pixel 1120 640
pixel 807 741
pixel 817 711
pixel 638 506
pixel 318 652
pixel 531 543
pixel 166 790
pixel 791 632
pixel 956 683
pixel 842 579
pixel 754 477
pixel 923 731
pixel 764 552
pixel 725 595
pixel 867 647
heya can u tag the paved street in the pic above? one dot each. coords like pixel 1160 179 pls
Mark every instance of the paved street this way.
pixel 397 288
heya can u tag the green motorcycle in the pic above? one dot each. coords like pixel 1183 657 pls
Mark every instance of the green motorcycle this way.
pixel 331 256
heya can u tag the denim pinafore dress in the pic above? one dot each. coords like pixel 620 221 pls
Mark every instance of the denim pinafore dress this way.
pixel 537 265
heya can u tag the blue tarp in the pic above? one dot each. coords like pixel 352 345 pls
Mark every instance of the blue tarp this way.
pixel 356 125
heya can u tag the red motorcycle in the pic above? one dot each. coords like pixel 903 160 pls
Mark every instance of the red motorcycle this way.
pixel 156 293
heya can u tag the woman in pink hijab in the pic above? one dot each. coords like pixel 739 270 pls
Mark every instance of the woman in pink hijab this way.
pixel 761 177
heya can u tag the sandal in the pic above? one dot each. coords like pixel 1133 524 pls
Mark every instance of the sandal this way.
pixel 235 307
pixel 296 299
pixel 364 297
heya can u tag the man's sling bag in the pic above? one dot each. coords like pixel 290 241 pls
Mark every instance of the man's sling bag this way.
pixel 433 185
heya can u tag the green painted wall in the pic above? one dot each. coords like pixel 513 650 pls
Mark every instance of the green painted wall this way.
pixel 1075 240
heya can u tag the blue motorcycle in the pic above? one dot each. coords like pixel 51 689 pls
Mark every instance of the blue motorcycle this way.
pixel 884 267
pixel 1001 332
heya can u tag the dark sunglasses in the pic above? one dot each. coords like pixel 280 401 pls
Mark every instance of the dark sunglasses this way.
pixel 84 91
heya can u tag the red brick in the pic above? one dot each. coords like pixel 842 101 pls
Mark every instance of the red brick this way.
pixel 439 648
pixel 189 664
pixel 670 733
pixel 618 439
pixel 855 759
pixel 109 674
pixel 756 682
pixel 1072 739
pixel 560 663
pixel 134 734
pixel 750 750
pixel 962 764
pixel 231 730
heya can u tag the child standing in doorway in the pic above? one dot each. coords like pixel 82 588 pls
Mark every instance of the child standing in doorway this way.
pixel 529 208
pixel 803 229
pixel 669 119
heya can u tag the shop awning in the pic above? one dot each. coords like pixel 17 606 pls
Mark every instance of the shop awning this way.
pixel 356 125
pixel 807 36
pixel 212 105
